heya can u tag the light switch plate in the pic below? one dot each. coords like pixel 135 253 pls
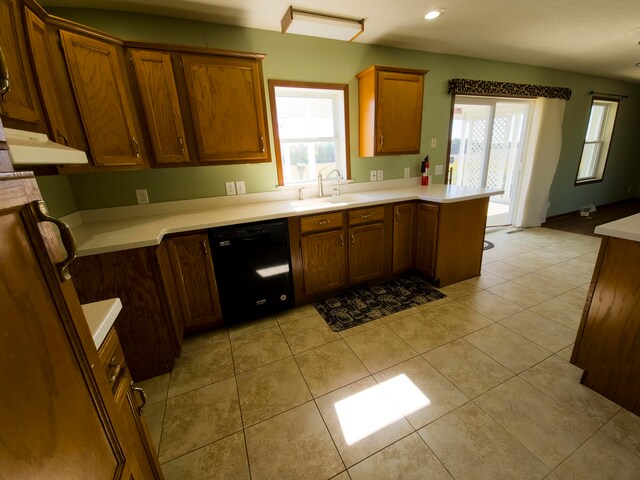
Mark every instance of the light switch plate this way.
pixel 380 175
pixel 240 188
pixel 373 175
pixel 438 169
pixel 142 197
pixel 407 172
pixel 434 143
pixel 230 187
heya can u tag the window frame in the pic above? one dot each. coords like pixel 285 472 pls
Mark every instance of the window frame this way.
pixel 274 121
pixel 606 129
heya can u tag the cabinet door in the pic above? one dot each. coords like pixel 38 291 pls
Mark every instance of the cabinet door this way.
pixel 195 279
pixel 427 238
pixel 399 112
pixel 403 236
pixel 55 423
pixel 54 84
pixel 21 101
pixel 161 107
pixel 323 261
pixel 103 98
pixel 366 252
pixel 227 105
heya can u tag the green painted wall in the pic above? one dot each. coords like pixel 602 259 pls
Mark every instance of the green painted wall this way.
pixel 293 57
pixel 56 190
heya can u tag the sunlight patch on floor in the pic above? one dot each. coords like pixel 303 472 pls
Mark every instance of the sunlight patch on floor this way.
pixel 369 411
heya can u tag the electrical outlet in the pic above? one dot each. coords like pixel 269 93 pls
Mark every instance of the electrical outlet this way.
pixel 141 196
pixel 434 143
pixel 373 175
pixel 380 175
pixel 407 172
pixel 230 187
pixel 438 169
pixel 240 189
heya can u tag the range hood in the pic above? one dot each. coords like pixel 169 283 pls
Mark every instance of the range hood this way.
pixel 30 148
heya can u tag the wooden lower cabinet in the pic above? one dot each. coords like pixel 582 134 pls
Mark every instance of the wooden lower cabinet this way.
pixel 129 401
pixel 427 236
pixel 323 261
pixel 404 224
pixel 194 280
pixel 145 326
pixel 366 252
pixel 58 415
pixel 606 346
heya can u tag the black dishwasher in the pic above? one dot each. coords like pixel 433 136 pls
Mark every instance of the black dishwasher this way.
pixel 253 269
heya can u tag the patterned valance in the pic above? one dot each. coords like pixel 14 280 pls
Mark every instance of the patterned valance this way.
pixel 466 86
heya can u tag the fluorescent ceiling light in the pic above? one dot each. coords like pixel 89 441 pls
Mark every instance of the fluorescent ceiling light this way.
pixel 435 13
pixel 318 25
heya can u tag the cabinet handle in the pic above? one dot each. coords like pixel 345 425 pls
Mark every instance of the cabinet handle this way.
pixel 116 372
pixel 366 215
pixel 137 145
pixel 181 143
pixel 42 214
pixel 353 240
pixel 341 241
pixel 204 247
pixel 262 144
pixel 65 140
pixel 4 76
pixel 143 397
pixel 381 140
pixel 323 222
pixel 397 215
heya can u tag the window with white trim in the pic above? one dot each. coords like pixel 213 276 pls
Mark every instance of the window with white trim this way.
pixel 310 129
pixel 597 140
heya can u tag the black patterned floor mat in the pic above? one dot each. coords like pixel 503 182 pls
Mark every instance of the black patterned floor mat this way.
pixel 362 304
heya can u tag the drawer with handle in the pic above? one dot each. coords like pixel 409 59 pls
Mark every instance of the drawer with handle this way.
pixel 112 360
pixel 366 215
pixel 318 223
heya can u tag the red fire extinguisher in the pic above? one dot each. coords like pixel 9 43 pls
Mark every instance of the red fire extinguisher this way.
pixel 424 168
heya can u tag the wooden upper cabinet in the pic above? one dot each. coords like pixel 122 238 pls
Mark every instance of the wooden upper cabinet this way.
pixel 21 102
pixel 226 96
pixel 159 95
pixel 390 107
pixel 54 84
pixel 404 224
pixel 103 99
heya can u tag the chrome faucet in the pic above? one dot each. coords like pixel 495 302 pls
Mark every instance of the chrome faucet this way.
pixel 321 180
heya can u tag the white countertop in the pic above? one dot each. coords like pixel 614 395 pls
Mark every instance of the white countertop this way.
pixel 100 317
pixel 627 228
pixel 144 225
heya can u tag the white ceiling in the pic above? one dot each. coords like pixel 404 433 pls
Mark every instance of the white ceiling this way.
pixel 591 36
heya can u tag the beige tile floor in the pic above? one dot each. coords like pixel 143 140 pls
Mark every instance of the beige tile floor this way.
pixel 474 386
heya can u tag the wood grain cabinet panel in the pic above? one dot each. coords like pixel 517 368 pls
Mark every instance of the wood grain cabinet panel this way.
pixel 144 325
pixel 366 252
pixel 404 224
pixel 426 243
pixel 606 346
pixel 226 97
pixel 21 102
pixel 195 280
pixel 54 84
pixel 157 87
pixel 104 100
pixel 390 107
pixel 323 261
pixel 57 417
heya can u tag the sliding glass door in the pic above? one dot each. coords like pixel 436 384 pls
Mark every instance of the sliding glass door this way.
pixel 487 141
